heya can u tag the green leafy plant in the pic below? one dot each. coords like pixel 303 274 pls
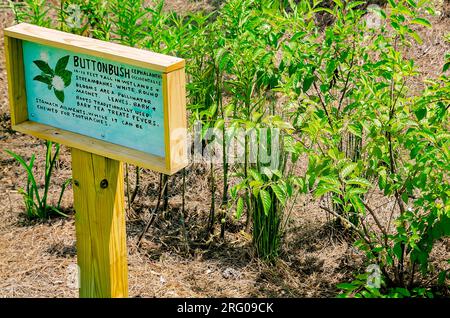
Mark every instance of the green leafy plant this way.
pixel 56 79
pixel 36 203
pixel 354 84
pixel 32 11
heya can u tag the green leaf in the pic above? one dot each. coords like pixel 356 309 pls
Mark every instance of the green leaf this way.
pixel 279 193
pixel 356 129
pixel 43 79
pixel 222 59
pixel 324 188
pixel 412 3
pixel 446 67
pixel 359 181
pixel 256 175
pixel 331 66
pixel 421 21
pixel 357 204
pixel 267 171
pixel 61 65
pixel 329 11
pixel 348 169
pixel 354 4
pixel 59 95
pixel 392 3
pixel 416 37
pixel 421 113
pixel 332 180
pixel 441 278
pixel 239 208
pixel 29 169
pixel 44 67
pixel 266 200
pixel 397 250
pixel 347 286
pixel 307 83
pixel 339 3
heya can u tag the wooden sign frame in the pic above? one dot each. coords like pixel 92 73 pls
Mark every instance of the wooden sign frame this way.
pixel 173 85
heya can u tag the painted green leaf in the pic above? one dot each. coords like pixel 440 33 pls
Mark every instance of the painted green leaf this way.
pixel 61 65
pixel 67 77
pixel 59 95
pixel 239 208
pixel 266 200
pixel 43 79
pixel 44 67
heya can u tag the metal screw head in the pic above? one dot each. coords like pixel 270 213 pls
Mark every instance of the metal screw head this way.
pixel 104 184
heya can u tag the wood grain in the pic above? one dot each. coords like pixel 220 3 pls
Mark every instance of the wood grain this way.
pixel 112 51
pixel 94 145
pixel 176 124
pixel 100 225
pixel 16 80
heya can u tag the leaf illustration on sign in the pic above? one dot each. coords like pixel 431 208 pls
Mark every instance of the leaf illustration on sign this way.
pixel 56 79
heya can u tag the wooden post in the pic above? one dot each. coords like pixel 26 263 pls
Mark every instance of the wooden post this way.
pixel 100 225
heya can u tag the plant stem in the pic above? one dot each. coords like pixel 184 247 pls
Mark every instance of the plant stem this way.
pixel 213 200
pixel 183 207
pixel 137 187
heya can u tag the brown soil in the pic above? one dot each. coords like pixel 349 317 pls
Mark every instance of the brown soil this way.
pixel 36 257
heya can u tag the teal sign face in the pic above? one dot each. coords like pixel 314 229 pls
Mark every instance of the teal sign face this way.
pixel 103 99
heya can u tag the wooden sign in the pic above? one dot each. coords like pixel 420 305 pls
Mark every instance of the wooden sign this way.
pixel 109 103
pixel 119 102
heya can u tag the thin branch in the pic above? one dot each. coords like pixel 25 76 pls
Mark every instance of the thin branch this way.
pixel 361 234
pixel 323 105
pixel 382 229
pixel 344 91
